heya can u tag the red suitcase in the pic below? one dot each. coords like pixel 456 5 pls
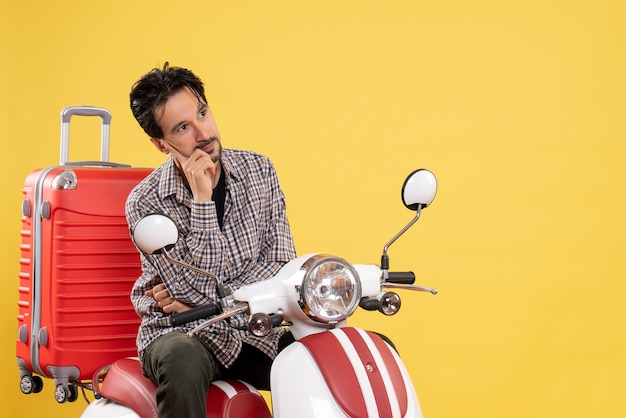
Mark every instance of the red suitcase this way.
pixel 78 265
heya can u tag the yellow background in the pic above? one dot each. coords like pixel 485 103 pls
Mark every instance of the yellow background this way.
pixel 516 106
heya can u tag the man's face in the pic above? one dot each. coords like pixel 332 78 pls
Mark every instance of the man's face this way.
pixel 187 124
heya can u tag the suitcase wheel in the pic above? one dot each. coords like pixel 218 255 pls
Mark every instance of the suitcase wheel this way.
pixel 64 393
pixel 31 384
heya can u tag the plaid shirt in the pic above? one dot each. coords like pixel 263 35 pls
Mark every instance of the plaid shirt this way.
pixel 254 243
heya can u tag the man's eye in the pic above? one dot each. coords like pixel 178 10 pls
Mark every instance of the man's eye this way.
pixel 202 113
pixel 181 128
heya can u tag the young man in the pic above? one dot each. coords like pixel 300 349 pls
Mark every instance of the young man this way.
pixel 230 211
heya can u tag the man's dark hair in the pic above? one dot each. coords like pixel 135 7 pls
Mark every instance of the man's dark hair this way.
pixel 155 88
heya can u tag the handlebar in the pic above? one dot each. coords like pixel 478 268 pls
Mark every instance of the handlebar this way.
pixel 369 304
pixel 401 277
pixel 205 311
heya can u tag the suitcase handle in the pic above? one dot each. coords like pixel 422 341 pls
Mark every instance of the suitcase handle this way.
pixel 66 115
pixel 96 163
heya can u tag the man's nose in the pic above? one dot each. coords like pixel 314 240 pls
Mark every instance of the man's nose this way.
pixel 203 132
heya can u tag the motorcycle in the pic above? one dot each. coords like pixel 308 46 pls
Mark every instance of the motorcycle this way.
pixel 331 370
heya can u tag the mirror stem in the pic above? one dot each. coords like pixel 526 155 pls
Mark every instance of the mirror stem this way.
pixel 221 294
pixel 384 260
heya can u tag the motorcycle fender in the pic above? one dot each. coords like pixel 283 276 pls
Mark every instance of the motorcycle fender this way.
pixel 105 408
pixel 345 372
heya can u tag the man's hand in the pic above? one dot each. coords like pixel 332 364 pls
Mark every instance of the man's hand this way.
pixel 165 301
pixel 200 171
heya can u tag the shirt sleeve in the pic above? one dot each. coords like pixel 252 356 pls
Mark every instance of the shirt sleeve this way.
pixel 200 244
pixel 277 247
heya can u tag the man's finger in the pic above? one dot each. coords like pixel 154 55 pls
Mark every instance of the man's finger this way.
pixel 159 287
pixel 162 295
pixel 175 153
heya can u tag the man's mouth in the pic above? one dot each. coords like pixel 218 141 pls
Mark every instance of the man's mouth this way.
pixel 206 145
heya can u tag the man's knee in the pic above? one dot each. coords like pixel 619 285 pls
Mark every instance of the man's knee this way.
pixel 174 356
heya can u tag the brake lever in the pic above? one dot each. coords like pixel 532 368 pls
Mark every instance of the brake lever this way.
pixel 239 307
pixel 409 287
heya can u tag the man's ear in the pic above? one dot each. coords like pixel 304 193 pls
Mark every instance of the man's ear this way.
pixel 158 143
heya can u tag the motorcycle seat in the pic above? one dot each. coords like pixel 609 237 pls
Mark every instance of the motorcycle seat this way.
pixel 125 383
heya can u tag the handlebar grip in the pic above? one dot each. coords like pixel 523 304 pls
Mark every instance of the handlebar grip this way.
pixel 277 319
pixel 180 318
pixel 369 304
pixel 401 277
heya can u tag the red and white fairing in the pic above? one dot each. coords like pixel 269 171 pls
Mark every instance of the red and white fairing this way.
pixel 345 372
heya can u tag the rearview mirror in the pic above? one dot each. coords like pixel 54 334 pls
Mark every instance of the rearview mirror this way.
pixel 419 189
pixel 154 233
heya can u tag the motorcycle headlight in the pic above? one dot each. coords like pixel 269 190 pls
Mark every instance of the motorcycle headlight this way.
pixel 331 288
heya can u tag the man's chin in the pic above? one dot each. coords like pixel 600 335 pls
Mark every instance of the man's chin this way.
pixel 217 154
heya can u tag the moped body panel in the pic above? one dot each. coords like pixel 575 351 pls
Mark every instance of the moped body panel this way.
pixel 345 372
pixel 281 294
pixel 105 408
